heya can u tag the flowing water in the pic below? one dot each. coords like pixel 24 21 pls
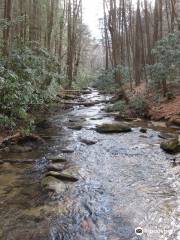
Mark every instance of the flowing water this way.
pixel 126 181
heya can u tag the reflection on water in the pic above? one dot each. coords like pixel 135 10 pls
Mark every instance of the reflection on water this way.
pixel 126 182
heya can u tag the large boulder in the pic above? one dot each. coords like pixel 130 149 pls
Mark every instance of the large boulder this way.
pixel 171 146
pixel 113 128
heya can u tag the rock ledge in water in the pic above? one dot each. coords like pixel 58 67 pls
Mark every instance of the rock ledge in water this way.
pixel 56 158
pixel 113 128
pixel 63 176
pixel 67 150
pixel 58 167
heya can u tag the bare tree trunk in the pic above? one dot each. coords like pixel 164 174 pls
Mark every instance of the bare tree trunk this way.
pixel 6 31
pixel 69 49
pixel 156 22
pixel 106 38
pixel 50 23
pixel 137 56
pixel 113 29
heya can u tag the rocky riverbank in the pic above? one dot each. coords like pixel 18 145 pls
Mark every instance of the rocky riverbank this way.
pixel 93 178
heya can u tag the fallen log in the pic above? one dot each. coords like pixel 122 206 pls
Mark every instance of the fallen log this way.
pixel 18 138
pixel 12 138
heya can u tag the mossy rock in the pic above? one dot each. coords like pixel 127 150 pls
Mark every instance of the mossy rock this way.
pixel 176 122
pixel 47 180
pixel 56 167
pixel 113 128
pixel 51 183
pixel 171 146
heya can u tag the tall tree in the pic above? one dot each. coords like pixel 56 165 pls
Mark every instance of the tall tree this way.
pixel 6 32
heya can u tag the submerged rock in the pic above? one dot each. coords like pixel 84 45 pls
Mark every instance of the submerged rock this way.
pixel 113 128
pixel 89 104
pixel 143 136
pixel 20 149
pixel 63 176
pixel 77 119
pixel 171 146
pixel 43 124
pixel 88 141
pixel 77 127
pixel 67 150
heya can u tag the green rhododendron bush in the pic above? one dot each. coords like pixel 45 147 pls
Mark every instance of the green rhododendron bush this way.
pixel 28 77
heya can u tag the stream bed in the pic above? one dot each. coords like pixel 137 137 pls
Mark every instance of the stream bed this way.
pixel 125 182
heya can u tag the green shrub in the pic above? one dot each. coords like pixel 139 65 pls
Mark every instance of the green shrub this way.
pixel 125 72
pixel 84 80
pixel 139 106
pixel 119 106
pixel 167 66
pixel 170 95
pixel 105 81
pixel 28 77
